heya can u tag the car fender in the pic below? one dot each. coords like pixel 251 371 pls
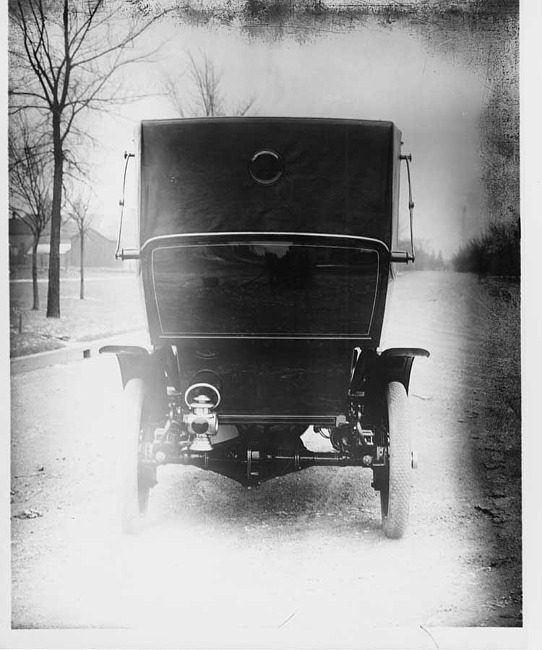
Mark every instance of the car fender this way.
pixel 397 364
pixel 137 362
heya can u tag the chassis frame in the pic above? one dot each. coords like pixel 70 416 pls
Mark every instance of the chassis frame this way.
pixel 359 439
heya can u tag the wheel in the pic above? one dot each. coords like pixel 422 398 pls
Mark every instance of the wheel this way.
pixel 137 477
pixel 396 480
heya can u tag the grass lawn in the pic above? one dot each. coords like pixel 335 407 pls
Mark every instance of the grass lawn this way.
pixel 112 305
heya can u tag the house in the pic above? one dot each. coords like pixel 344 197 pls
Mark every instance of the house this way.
pixel 42 253
pixel 99 250
pixel 21 242
pixel 20 239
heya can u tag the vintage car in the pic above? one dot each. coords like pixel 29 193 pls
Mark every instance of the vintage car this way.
pixel 266 251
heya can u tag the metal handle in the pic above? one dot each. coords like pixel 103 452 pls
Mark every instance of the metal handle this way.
pixel 120 255
pixel 128 254
pixel 409 257
pixel 402 257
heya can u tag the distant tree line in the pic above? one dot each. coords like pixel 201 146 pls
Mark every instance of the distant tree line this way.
pixel 425 261
pixel 496 252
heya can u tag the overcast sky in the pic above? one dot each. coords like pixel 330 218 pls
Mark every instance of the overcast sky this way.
pixel 370 72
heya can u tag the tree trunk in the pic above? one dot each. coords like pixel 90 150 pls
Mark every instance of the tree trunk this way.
pixel 82 267
pixel 53 292
pixel 36 301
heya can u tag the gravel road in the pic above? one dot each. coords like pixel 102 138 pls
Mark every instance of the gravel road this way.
pixel 300 560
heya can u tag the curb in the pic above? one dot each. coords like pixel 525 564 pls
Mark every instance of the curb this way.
pixel 74 352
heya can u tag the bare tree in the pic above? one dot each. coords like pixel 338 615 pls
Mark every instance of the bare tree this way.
pixel 64 56
pixel 207 98
pixel 30 184
pixel 79 214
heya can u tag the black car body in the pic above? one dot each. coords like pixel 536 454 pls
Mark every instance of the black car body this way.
pixel 266 249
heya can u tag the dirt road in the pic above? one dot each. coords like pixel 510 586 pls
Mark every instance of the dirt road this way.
pixel 301 559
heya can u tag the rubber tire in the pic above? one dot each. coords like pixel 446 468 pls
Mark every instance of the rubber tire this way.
pixel 395 493
pixel 135 489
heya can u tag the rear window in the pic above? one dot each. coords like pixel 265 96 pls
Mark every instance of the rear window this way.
pixel 265 289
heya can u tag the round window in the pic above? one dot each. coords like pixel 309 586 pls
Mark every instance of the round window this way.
pixel 266 167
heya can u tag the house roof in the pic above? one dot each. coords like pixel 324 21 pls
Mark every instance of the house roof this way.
pixel 69 229
pixel 18 227
pixel 92 234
